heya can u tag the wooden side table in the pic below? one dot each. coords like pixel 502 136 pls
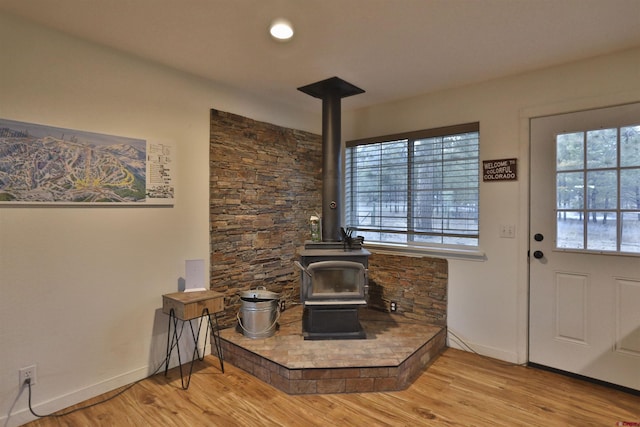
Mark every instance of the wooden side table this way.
pixel 187 306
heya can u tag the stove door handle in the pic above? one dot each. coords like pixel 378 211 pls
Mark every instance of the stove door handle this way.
pixel 297 264
pixel 366 283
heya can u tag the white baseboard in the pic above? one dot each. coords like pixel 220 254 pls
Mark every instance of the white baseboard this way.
pixel 457 341
pixel 23 415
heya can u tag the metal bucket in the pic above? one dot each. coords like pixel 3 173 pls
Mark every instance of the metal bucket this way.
pixel 260 313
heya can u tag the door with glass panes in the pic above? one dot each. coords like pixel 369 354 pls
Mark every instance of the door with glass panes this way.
pixel 584 313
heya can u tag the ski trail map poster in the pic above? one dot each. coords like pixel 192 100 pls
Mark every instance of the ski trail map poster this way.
pixel 42 164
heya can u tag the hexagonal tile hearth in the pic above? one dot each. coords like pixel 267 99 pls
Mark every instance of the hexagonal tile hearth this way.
pixel 396 350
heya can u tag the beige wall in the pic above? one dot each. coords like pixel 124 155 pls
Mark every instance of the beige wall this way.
pixel 488 299
pixel 80 288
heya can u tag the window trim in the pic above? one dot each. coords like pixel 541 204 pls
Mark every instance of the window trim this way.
pixel 474 253
pixel 418 134
pixel 461 253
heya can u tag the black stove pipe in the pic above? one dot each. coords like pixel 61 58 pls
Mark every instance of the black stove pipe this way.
pixel 331 91
pixel 332 190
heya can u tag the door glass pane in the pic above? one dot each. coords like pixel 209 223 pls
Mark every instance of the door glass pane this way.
pixel 630 146
pixel 570 151
pixel 630 232
pixel 598 190
pixel 602 231
pixel 570 190
pixel 602 148
pixel 630 189
pixel 570 230
pixel 602 190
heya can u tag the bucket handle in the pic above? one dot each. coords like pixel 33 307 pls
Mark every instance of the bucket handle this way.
pixel 263 331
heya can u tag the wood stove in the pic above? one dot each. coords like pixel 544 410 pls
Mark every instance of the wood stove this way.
pixel 333 286
pixel 334 272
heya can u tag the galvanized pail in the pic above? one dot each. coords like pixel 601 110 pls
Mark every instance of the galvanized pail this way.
pixel 260 313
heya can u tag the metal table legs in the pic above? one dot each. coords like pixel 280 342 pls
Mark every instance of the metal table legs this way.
pixel 173 341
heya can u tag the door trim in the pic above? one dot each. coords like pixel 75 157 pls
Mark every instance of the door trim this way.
pixel 526 114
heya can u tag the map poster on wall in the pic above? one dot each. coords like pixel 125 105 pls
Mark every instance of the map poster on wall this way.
pixel 160 185
pixel 48 165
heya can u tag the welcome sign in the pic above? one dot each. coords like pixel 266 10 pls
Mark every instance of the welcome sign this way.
pixel 500 170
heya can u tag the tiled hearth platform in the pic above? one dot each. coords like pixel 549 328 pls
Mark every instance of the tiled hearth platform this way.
pixel 393 355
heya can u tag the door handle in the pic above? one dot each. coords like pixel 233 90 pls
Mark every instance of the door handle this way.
pixel 538 237
pixel 538 254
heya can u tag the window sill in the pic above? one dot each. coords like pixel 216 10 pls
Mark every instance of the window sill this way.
pixel 406 250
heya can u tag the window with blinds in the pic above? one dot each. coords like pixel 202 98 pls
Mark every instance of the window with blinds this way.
pixel 419 188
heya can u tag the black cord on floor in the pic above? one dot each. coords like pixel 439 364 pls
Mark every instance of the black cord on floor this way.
pixel 461 342
pixel 55 415
pixel 470 349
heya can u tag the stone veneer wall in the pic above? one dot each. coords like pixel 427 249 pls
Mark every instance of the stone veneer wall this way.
pixel 265 182
pixel 417 284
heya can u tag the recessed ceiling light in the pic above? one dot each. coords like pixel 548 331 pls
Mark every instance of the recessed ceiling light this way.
pixel 281 29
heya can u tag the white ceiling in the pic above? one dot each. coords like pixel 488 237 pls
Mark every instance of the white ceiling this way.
pixel 392 49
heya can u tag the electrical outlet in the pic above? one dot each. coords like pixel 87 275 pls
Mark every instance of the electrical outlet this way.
pixel 28 372
pixel 282 306
pixel 393 306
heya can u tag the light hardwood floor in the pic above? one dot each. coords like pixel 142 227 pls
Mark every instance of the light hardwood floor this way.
pixel 458 389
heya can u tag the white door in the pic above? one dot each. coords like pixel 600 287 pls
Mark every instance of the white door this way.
pixel 584 313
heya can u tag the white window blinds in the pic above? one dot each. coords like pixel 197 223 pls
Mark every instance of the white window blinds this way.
pixel 419 188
